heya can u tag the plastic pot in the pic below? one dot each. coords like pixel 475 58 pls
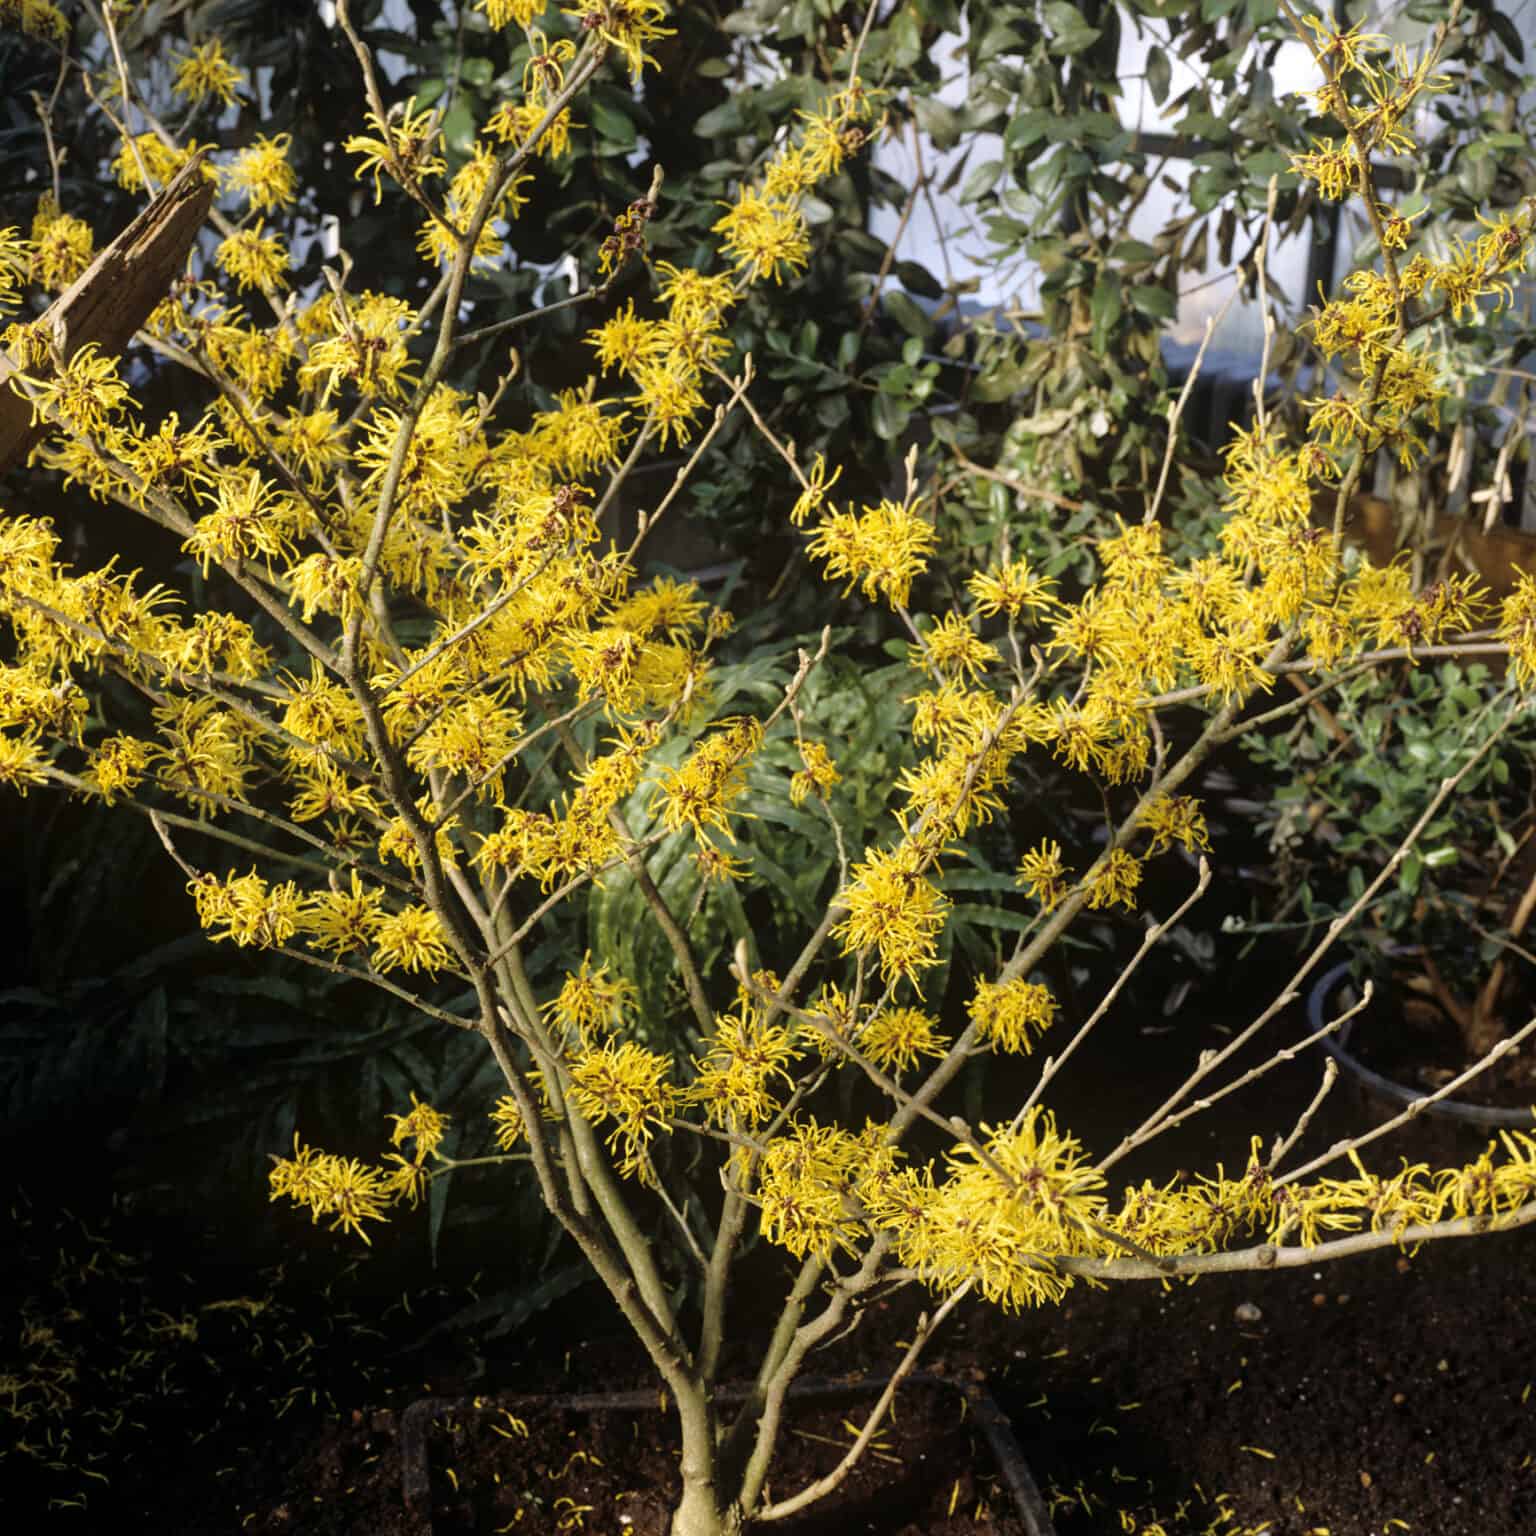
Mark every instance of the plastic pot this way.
pixel 1337 1046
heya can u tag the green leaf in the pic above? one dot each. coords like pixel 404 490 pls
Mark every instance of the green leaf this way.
pixel 1507 33
pixel 1024 129
pixel 459 129
pixel 981 180
pixel 990 917
pixel 727 118
pixel 614 127
pixel 1267 163
pixel 1159 74
pixel 889 417
pixel 478 72
pixel 908 314
pixel 916 278
pixel 1158 303
pixel 1001 381
pixel 1105 308
pixel 1069 30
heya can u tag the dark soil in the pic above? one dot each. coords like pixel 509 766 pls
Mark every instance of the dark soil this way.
pixel 1374 1395
pixel 929 1473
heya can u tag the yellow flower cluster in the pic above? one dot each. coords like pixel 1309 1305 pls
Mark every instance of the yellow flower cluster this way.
pixel 698 795
pixel 254 912
pixel 624 1082
pixel 881 551
pixel 351 1192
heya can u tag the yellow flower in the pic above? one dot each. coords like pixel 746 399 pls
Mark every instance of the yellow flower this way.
pixel 590 1001
pixel 893 909
pixel 1227 660
pixel 1334 170
pixel 746 1063
pixel 501 13
pixel 513 121
pixel 1346 51
pixel 62 246
pixel 339 922
pixel 117 766
pixel 581 435
pixel 424 1124
pixel 254 260
pixel 508 1120
pixel 625 342
pixel 1113 880
pixel 627 25
pixel 248 909
pixel 161 160
pixel 623 1081
pixel 366 348
pixel 17 257
pixel 953 649
pixel 698 794
pixel 1043 875
pixel 693 298
pixel 37 18
pixel 263 173
pixel 312 442
pixel 1517 629
pixel 763 238
pixel 802 1182
pixel 249 518
pixel 86 395
pixel 818 776
pixel 882 551
pixel 404 149
pixel 1175 819
pixel 207 72
pixel 815 493
pixel 440 242
pixel 1012 589
pixel 344 1188
pixel 1007 1013
pixel 411 939
pixel 896 1037
pixel 22 761
pixel 670 400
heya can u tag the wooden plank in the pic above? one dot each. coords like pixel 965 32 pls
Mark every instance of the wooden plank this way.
pixel 115 295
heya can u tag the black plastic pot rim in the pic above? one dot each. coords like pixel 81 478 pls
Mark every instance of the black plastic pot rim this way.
pixel 989 1418
pixel 1337 1046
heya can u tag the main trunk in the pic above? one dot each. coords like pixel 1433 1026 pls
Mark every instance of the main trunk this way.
pixel 699 1513
pixel 706 1507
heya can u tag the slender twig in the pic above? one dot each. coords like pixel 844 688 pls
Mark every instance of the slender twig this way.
pixel 1053 1064
pixel 1446 1090
pixel 1283 1144
pixel 1266 1256
pixel 926 1327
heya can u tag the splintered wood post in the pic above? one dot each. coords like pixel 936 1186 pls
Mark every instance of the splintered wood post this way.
pixel 114 296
